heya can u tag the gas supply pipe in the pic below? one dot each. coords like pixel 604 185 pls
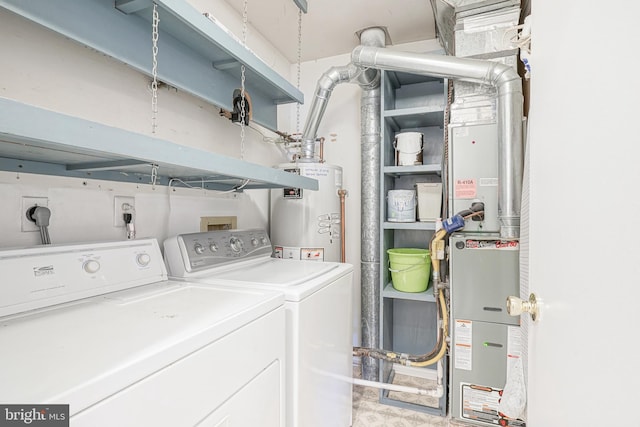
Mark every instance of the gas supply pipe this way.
pixel 342 193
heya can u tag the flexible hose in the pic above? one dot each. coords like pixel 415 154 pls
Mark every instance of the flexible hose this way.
pixel 443 346
pixel 440 348
pixel 414 360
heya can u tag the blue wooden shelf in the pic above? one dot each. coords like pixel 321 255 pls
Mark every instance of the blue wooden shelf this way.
pixel 69 146
pixel 195 54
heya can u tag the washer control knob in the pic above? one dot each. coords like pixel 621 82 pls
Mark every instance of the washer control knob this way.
pixel 198 248
pixel 143 260
pixel 254 242
pixel 235 243
pixel 213 247
pixel 91 266
pixel 263 240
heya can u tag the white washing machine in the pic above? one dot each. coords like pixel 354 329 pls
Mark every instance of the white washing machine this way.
pixel 318 305
pixel 100 328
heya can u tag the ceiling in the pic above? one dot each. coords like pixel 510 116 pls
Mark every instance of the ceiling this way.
pixel 329 26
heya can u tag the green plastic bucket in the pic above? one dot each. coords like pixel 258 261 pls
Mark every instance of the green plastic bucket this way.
pixel 410 269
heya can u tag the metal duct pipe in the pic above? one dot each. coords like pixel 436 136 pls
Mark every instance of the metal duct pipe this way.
pixel 370 205
pixel 369 81
pixel 370 220
pixel 366 78
pixel 324 87
pixel 509 114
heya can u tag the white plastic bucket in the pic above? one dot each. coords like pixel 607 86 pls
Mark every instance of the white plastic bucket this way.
pixel 401 206
pixel 408 146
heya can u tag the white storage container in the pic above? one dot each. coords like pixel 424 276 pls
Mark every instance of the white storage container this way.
pixel 401 206
pixel 429 200
pixel 408 147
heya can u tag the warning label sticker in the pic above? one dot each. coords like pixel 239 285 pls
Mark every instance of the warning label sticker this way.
pixel 463 344
pixel 480 404
pixel 277 252
pixel 465 188
pixel 509 245
pixel 312 254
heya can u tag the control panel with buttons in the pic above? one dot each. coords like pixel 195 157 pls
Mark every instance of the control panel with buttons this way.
pixel 218 247
pixel 53 274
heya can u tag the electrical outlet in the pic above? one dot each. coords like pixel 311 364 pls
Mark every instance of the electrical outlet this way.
pixel 27 203
pixel 121 206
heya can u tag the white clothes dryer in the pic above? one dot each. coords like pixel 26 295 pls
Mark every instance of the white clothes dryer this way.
pixel 100 328
pixel 318 306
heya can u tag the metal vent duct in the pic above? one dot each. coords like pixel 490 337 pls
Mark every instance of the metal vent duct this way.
pixel 448 15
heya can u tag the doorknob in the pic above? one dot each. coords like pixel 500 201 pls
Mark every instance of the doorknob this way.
pixel 517 306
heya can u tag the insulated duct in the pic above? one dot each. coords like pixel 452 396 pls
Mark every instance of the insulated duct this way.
pixel 509 113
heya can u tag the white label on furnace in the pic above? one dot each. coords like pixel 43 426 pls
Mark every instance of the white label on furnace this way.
pixel 461 131
pixel 488 182
pixel 338 179
pixel 463 340
pixel 514 341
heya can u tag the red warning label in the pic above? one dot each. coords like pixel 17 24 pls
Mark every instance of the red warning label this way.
pixel 512 245
pixel 465 188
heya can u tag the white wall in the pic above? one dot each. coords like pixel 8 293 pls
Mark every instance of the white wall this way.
pixel 45 69
pixel 341 128
pixel 584 242
pixel 83 210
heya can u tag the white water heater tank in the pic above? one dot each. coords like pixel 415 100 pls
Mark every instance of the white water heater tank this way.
pixel 305 224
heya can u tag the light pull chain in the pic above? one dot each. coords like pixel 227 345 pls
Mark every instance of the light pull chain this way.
pixel 154 69
pixel 243 113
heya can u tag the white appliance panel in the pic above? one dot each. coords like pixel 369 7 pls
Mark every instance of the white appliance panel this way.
pixel 93 348
pixel 199 385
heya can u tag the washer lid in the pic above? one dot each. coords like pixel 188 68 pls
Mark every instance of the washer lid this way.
pixel 82 352
pixel 277 272
pixel 297 279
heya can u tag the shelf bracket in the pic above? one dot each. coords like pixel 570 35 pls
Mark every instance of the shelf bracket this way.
pixel 132 6
pixel 225 65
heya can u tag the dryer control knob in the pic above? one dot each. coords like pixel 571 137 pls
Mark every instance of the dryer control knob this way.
pixel 143 260
pixel 254 242
pixel 263 240
pixel 235 243
pixel 91 266
pixel 198 248
pixel 213 247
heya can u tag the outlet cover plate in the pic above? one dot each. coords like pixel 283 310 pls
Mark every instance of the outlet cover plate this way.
pixel 122 205
pixel 27 203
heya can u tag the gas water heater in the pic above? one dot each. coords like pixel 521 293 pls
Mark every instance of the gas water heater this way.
pixel 306 224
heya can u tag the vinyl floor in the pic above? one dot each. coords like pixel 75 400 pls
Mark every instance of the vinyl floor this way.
pixel 369 412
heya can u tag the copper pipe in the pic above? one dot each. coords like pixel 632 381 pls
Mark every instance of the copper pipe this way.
pixel 342 193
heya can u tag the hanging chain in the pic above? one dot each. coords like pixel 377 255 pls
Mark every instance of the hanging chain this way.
pixel 243 114
pixel 154 69
pixel 298 78
pixel 154 174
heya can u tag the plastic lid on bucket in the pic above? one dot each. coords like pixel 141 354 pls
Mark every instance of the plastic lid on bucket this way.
pixel 410 269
